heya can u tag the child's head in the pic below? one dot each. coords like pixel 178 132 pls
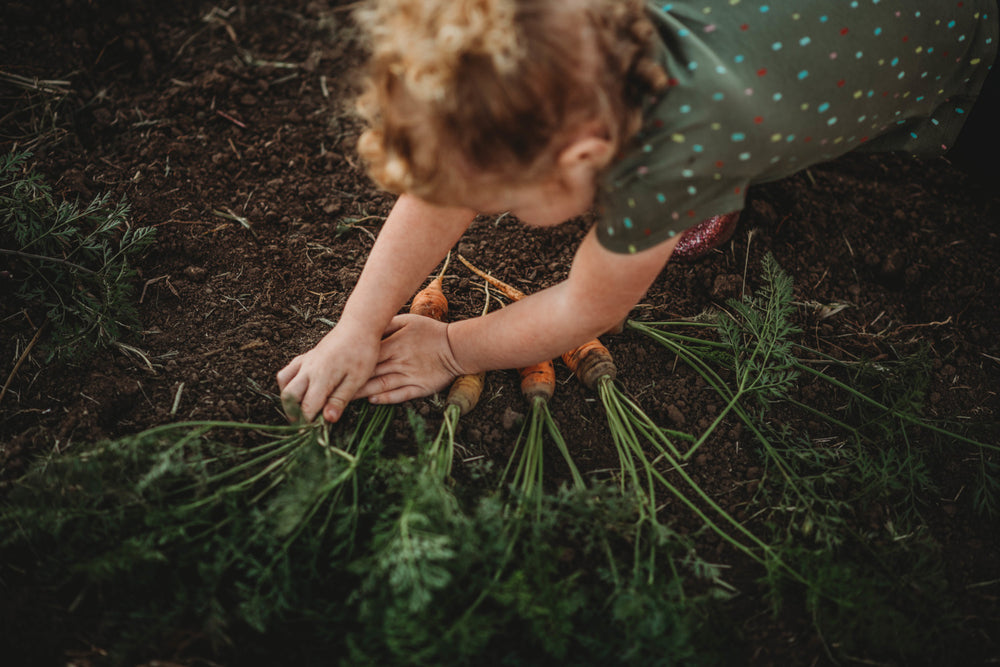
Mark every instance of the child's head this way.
pixel 496 89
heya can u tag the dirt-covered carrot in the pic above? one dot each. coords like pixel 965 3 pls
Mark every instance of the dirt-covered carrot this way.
pixel 431 301
pixel 508 291
pixel 538 381
pixel 462 398
pixel 591 362
pixel 465 392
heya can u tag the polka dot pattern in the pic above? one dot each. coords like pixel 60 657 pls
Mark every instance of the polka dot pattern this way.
pixel 759 91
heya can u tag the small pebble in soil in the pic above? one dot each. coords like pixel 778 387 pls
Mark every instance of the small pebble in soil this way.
pixel 195 273
pixel 675 415
pixel 511 418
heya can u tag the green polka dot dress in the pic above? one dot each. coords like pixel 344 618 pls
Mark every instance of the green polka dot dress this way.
pixel 760 90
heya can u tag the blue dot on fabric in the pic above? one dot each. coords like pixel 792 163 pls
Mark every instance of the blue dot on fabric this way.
pixel 930 49
pixel 895 61
pixel 776 46
pixel 935 121
pixel 913 134
pixel 832 121
pixel 777 97
pixel 744 156
pixel 611 231
pixel 859 55
pixel 738 136
pixel 698 148
pixel 957 110
pixel 951 24
pixel 667 8
pixel 823 107
pixel 764 9
pixel 683 32
pixel 692 190
pixel 878 31
pixel 660 198
pixel 803 74
pixel 720 69
pixel 693 65
pixel 901 75
pixel 804 41
pixel 685 108
pixel 628 223
pixel 687 173
pixel 824 19
pixel 740 58
pixel 718 97
pixel 790 138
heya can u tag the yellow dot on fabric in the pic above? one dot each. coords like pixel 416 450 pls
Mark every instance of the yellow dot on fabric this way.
pixel 716 126
pixel 717 176
pixel 881 61
pixel 707 10
pixel 838 140
pixel 919 49
pixel 858 94
pixel 775 137
pixel 906 94
pixel 631 249
pixel 941 92
pixel 975 61
pixel 734 2
pixel 677 137
pixel 631 203
pixel 805 106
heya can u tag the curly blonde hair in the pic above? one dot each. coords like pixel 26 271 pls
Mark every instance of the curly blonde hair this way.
pixel 495 86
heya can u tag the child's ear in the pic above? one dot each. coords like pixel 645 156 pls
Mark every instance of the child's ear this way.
pixel 589 151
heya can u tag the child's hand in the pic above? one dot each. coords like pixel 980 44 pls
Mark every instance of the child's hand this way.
pixel 328 376
pixel 415 360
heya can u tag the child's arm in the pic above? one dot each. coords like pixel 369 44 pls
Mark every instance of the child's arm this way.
pixel 413 240
pixel 602 287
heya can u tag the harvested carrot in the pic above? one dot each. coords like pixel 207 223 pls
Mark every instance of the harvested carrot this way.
pixel 508 291
pixel 591 362
pixel 538 381
pixel 430 301
pixel 465 392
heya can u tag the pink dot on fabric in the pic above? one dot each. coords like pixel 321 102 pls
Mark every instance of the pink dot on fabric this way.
pixel 748 91
pixel 833 55
pixel 710 28
pixel 643 170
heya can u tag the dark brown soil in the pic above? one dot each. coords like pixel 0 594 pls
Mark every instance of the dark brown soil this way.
pixel 191 110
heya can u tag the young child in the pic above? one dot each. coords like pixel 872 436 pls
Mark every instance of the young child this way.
pixel 662 114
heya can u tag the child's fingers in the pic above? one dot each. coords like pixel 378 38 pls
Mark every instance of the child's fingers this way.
pixel 288 372
pixel 397 394
pixel 380 384
pixel 338 399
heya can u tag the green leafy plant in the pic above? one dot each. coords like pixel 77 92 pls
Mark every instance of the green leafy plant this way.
pixel 70 263
pixel 818 489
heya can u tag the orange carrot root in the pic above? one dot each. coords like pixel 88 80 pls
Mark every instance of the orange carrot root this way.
pixel 590 362
pixel 465 392
pixel 431 301
pixel 508 291
pixel 538 381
